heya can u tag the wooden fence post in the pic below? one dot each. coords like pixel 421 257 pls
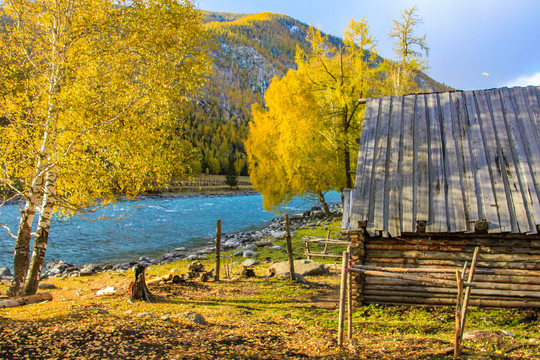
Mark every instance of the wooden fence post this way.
pixel 349 297
pixel 342 296
pixel 218 249
pixel 289 247
pixel 459 303
pixel 468 290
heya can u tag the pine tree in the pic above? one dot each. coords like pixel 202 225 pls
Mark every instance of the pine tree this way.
pixel 231 178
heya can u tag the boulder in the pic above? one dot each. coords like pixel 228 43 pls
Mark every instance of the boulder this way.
pixel 194 317
pixel 4 272
pixel 250 254
pixel 263 243
pixel 278 234
pixel 302 267
pixel 251 246
pixel 249 262
pixel 277 248
pixel 146 314
pixel 89 269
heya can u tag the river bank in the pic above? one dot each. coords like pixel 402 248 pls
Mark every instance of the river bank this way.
pixel 246 242
pixel 150 226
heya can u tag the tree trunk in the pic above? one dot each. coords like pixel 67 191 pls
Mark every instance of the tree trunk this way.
pixel 42 237
pixel 347 162
pixel 21 254
pixel 139 290
pixel 323 203
pixel 32 299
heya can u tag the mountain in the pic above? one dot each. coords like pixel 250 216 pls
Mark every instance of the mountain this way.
pixel 250 50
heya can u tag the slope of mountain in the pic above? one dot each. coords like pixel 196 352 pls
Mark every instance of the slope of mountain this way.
pixel 250 50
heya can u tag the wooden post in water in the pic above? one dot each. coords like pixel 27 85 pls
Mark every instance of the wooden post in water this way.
pixel 218 249
pixel 289 246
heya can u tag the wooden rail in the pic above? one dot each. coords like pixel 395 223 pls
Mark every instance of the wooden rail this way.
pixel 326 241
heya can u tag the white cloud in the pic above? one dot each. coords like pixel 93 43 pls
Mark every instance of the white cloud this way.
pixel 526 80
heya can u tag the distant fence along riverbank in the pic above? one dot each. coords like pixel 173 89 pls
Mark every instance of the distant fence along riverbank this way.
pixel 212 180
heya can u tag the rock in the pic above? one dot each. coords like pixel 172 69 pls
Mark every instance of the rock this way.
pixel 89 269
pixel 53 272
pixel 146 314
pixel 278 234
pixel 196 266
pixel 181 248
pixel 46 286
pixel 302 267
pixel 239 253
pixel 249 262
pixel 263 243
pixel 250 254
pixel 144 258
pixel 277 248
pixel 248 273
pixel 205 251
pixel 4 272
pixel 477 334
pixel 506 333
pixel 286 276
pixel 194 317
pixel 100 310
pixel 250 247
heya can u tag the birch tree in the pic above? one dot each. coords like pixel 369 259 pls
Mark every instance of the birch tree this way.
pixel 90 96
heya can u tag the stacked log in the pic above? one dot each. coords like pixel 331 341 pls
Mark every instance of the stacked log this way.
pixel 509 269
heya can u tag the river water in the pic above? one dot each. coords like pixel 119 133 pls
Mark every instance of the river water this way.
pixel 151 227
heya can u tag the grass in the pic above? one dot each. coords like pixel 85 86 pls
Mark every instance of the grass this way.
pixel 257 318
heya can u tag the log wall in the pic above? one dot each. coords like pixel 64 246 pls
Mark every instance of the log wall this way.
pixel 510 267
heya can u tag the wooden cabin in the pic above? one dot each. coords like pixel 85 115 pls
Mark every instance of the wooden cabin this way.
pixel 438 175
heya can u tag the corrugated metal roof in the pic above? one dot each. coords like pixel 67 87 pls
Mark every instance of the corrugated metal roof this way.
pixel 449 159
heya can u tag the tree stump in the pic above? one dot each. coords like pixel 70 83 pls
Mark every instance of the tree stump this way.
pixel 139 290
pixel 248 273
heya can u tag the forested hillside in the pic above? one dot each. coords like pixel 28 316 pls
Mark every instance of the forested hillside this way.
pixel 249 51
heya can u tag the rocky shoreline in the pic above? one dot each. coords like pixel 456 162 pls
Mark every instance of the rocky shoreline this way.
pixel 245 242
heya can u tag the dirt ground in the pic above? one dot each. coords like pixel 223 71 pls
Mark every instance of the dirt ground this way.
pixel 248 319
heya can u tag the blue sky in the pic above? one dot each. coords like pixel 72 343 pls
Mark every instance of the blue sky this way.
pixel 474 44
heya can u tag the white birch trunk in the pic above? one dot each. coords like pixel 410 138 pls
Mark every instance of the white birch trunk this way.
pixel 21 260
pixel 42 235
pixel 21 255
